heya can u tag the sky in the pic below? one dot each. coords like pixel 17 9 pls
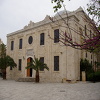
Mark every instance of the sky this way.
pixel 15 14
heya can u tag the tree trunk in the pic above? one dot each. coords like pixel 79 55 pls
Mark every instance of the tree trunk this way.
pixel 37 77
pixel 4 73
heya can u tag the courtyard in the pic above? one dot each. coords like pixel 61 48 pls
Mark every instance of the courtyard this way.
pixel 12 90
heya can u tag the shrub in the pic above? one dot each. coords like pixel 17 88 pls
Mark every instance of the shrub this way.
pixel 85 65
pixel 95 76
pixel 90 77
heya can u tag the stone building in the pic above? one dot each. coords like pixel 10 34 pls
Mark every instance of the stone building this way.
pixel 34 40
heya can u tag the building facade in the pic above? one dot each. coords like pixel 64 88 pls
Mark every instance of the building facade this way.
pixel 41 40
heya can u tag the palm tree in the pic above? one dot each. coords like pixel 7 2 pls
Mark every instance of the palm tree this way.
pixel 5 60
pixel 37 65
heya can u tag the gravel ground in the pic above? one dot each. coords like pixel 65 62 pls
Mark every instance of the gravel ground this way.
pixel 11 90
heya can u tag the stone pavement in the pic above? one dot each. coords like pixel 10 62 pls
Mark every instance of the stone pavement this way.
pixel 11 90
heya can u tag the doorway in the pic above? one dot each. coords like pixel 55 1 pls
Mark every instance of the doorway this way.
pixel 29 71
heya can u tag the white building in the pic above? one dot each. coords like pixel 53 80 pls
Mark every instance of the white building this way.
pixel 33 40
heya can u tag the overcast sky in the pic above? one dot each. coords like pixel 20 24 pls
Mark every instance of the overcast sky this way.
pixel 15 14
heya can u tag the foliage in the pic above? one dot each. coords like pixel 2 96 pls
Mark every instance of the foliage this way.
pixel 37 65
pixel 90 41
pixel 91 75
pixel 58 4
pixel 94 76
pixel 5 60
pixel 94 9
pixel 2 50
pixel 85 66
pixel 92 44
pixel 97 63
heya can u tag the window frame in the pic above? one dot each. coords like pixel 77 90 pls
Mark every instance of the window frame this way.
pixel 56 35
pixel 30 39
pixel 56 63
pixel 12 45
pixel 20 43
pixel 10 67
pixel 20 64
pixel 42 38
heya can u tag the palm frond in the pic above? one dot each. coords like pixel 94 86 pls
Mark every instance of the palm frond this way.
pixel 36 64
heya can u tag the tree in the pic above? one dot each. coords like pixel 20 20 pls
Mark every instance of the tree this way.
pixel 91 74
pixel 94 9
pixel 5 60
pixel 89 42
pixel 2 50
pixel 37 65
pixel 58 4
pixel 85 65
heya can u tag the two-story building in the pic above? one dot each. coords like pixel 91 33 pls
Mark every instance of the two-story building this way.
pixel 41 40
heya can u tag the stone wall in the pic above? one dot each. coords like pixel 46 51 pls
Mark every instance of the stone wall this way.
pixel 69 58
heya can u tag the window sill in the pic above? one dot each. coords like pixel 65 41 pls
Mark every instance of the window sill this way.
pixel 56 43
pixel 42 45
pixel 56 71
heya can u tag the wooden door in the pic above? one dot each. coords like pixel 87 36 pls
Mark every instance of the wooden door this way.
pixel 28 70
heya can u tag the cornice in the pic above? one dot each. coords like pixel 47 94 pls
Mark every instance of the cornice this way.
pixel 46 20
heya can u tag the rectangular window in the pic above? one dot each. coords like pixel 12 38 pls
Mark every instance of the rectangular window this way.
pixel 42 39
pixel 56 35
pixel 10 67
pixel 20 64
pixel 12 45
pixel 42 60
pixel 85 30
pixel 20 43
pixel 56 63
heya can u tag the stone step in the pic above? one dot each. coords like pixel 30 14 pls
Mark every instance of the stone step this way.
pixel 26 79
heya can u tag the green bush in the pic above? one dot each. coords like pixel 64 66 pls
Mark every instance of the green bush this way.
pixel 90 77
pixel 85 65
pixel 95 76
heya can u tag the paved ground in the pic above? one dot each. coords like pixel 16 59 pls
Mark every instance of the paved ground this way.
pixel 11 90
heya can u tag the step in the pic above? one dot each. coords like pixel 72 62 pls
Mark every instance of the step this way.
pixel 26 79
